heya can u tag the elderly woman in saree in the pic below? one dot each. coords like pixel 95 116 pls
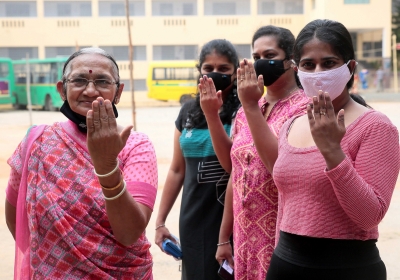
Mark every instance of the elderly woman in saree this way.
pixel 81 192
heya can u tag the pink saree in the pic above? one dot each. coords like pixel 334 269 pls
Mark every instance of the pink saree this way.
pixel 62 226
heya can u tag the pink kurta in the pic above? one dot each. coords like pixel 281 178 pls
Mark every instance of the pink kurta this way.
pixel 255 196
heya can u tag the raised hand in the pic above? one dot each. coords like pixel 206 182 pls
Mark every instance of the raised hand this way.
pixel 103 139
pixel 327 130
pixel 210 100
pixel 250 87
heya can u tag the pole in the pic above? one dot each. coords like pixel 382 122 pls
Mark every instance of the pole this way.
pixel 395 78
pixel 131 64
pixel 28 88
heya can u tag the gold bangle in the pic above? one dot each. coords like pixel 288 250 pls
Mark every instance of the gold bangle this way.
pixel 113 188
pixel 118 195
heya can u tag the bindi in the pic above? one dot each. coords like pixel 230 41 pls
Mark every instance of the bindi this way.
pixel 90 71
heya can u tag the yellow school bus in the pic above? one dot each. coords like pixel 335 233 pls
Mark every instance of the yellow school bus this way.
pixel 172 80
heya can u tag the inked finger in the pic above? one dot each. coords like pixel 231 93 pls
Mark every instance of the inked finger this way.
pixel 96 114
pixel 103 112
pixel 247 73
pixel 321 100
pixel 317 108
pixel 252 71
pixel 330 111
pixel 112 122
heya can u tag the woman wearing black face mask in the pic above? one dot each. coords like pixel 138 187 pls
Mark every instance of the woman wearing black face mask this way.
pixel 196 166
pixel 251 201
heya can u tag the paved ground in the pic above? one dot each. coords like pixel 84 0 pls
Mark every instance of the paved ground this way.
pixel 158 123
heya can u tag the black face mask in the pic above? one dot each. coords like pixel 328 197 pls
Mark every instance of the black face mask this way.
pixel 221 81
pixel 78 119
pixel 270 69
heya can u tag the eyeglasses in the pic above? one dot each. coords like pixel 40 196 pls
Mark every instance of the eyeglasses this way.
pixel 100 84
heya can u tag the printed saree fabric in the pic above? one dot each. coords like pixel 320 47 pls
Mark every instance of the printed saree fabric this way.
pixel 70 236
pixel 255 196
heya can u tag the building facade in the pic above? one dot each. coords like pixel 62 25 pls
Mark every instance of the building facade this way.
pixel 176 29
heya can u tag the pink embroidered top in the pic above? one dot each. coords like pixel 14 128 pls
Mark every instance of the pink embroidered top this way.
pixel 349 201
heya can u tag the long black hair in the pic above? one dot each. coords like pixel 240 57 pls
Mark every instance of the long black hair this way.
pixel 284 38
pixel 231 103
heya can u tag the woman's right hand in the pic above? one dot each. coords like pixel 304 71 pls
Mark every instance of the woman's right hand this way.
pixel 224 252
pixel 163 233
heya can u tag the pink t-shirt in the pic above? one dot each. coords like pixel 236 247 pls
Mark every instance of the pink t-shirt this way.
pixel 346 202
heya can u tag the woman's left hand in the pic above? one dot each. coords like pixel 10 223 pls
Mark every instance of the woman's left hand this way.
pixel 327 130
pixel 210 99
pixel 250 87
pixel 103 139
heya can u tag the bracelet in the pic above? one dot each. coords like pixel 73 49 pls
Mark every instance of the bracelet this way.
pixel 223 243
pixel 114 188
pixel 157 227
pixel 108 174
pixel 118 195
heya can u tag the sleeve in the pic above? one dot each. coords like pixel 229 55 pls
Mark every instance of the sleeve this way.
pixel 181 119
pixel 139 166
pixel 364 187
pixel 16 164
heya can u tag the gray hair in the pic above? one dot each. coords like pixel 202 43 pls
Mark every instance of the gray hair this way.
pixel 67 66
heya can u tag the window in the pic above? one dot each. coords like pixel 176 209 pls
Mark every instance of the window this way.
pixel 372 49
pixel 226 7
pixel 139 53
pixel 67 8
pixel 244 51
pixel 122 52
pixel 174 8
pixel 44 73
pixel 60 51
pixel 4 71
pixel 116 8
pixel 138 85
pixel 356 1
pixel 18 9
pixel 175 73
pixel 19 52
pixel 118 52
pixel 185 52
pixel 284 7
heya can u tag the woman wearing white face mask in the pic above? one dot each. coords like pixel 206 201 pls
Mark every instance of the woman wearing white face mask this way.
pixel 335 170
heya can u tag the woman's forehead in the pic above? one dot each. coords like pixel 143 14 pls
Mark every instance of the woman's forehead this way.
pixel 92 64
pixel 215 58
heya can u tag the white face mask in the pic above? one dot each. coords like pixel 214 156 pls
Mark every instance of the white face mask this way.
pixel 330 81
